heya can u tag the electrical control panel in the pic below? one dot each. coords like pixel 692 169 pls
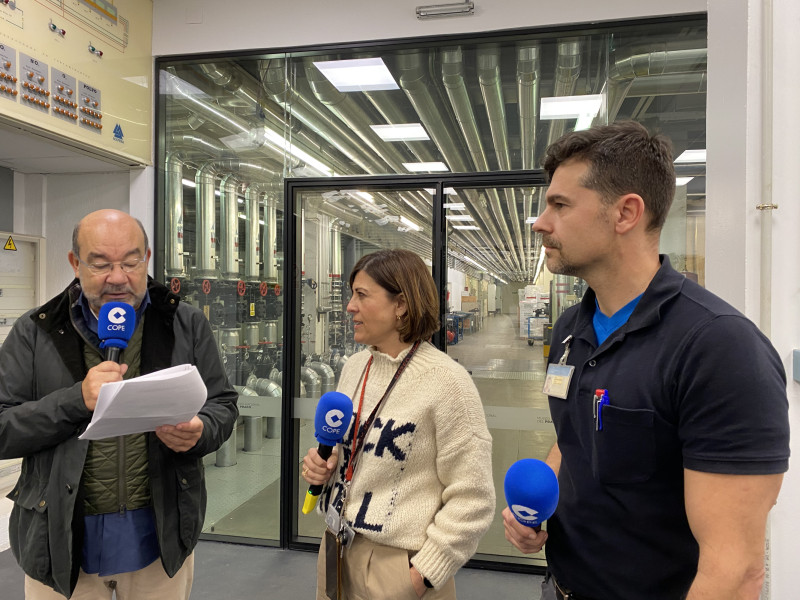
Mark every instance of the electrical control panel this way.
pixel 80 71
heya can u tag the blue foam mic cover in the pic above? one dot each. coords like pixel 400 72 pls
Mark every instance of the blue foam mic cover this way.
pixel 531 489
pixel 334 412
pixel 115 324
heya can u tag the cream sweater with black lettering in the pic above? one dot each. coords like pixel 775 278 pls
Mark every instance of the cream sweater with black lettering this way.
pixel 423 481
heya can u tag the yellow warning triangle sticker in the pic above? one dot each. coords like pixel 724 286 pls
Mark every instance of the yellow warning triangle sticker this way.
pixel 10 244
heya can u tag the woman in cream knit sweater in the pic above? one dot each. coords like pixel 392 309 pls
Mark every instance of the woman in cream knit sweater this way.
pixel 418 473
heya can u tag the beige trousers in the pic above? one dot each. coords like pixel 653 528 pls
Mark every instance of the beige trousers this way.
pixel 375 572
pixel 150 583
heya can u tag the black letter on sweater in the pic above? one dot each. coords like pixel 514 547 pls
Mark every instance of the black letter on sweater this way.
pixel 388 436
pixel 360 522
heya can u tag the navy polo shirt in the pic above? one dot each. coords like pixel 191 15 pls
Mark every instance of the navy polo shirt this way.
pixel 692 383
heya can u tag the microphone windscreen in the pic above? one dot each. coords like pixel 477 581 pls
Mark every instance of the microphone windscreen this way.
pixel 334 412
pixel 115 324
pixel 531 489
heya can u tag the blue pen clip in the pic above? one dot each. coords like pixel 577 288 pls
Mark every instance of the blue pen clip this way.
pixel 601 402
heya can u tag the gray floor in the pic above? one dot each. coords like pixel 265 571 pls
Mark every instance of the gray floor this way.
pixel 238 572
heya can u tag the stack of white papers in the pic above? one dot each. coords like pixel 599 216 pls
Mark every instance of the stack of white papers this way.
pixel 167 397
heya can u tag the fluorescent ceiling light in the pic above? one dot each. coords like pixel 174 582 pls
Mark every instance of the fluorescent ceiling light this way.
pixel 570 107
pixel 692 156
pixel 472 227
pixel 401 132
pixel 446 191
pixel 477 264
pixel 409 223
pixel 682 180
pixel 285 145
pixel 358 74
pixel 458 218
pixel 454 205
pixel 188 183
pixel 530 220
pixel 425 166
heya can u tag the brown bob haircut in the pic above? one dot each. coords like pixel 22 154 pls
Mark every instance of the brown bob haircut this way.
pixel 623 158
pixel 403 272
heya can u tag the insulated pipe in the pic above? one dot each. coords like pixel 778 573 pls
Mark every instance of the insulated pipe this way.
pixel 326 375
pixel 205 237
pixel 196 144
pixel 173 175
pixel 273 79
pixel 568 69
pixel 658 70
pixel 229 225
pixel 349 112
pixel 268 240
pixel 456 88
pixel 492 92
pixel 528 76
pixel 414 83
pixel 252 201
pixel 311 380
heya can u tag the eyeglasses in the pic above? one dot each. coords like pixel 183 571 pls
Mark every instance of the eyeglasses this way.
pixel 128 266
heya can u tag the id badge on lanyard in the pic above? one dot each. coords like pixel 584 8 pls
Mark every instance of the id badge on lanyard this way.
pixel 559 375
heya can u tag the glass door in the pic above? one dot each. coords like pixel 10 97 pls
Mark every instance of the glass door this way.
pixel 335 223
pixel 474 231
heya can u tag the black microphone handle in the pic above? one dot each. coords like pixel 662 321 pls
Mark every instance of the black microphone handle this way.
pixel 112 353
pixel 324 452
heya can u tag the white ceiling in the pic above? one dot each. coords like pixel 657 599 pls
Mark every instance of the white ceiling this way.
pixel 26 152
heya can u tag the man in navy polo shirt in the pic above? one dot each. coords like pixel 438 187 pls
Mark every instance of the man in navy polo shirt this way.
pixel 670 410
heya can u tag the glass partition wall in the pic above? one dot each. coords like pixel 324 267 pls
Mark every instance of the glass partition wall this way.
pixel 438 155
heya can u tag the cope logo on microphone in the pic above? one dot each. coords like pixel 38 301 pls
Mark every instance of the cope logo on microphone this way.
pixel 334 420
pixel 116 315
pixel 523 513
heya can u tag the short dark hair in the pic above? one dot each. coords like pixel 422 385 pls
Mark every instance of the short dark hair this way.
pixel 76 249
pixel 404 272
pixel 623 159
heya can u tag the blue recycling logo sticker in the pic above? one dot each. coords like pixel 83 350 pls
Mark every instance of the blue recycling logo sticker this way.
pixel 118 135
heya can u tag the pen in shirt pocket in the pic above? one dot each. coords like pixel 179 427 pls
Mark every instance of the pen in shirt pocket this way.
pixel 600 400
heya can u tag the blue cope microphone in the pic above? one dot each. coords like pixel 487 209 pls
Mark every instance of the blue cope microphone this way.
pixel 531 489
pixel 334 412
pixel 115 325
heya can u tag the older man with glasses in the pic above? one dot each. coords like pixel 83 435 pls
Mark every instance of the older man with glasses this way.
pixel 120 515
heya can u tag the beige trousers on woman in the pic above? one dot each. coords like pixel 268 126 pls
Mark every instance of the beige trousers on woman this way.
pixel 375 572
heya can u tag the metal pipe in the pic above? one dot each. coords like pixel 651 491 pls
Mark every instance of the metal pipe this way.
pixel 229 222
pixel 252 201
pixel 173 176
pixel 205 235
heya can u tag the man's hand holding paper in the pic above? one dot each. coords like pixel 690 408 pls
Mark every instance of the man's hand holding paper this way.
pixel 166 402
pixel 181 437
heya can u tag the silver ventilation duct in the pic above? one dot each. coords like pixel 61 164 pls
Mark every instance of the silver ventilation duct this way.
pixel 173 181
pixel 229 227
pixel 252 203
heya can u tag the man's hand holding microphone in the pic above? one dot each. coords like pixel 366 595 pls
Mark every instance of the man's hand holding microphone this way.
pixel 531 489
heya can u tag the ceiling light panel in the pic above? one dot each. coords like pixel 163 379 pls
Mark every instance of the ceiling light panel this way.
pixel 358 74
pixel 570 107
pixel 404 132
pixel 426 167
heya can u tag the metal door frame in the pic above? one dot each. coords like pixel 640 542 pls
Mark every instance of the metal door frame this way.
pixel 290 477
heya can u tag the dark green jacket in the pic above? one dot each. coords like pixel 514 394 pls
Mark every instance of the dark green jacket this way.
pixel 42 413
